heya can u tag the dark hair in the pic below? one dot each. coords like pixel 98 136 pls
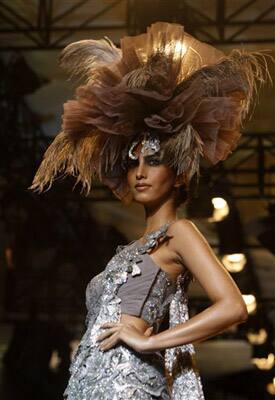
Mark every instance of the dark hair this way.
pixel 182 195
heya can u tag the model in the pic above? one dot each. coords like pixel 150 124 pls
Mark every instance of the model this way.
pixel 141 122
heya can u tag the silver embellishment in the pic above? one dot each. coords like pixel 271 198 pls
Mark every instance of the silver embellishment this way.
pixel 130 153
pixel 150 145
pixel 136 270
pixel 187 382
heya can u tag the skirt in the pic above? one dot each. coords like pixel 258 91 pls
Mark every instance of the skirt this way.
pixel 119 373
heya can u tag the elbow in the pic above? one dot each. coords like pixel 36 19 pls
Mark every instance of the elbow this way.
pixel 243 316
pixel 240 313
pixel 243 311
pixel 235 312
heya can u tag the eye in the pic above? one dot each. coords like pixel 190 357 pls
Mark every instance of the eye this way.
pixel 153 161
pixel 132 163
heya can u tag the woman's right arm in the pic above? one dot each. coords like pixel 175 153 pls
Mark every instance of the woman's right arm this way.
pixel 228 306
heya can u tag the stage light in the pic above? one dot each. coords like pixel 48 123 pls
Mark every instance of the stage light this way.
pixel 270 387
pixel 234 262
pixel 55 361
pixel 251 303
pixel 221 209
pixel 257 338
pixel 264 363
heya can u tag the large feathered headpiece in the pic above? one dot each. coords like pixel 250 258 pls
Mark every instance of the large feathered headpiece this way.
pixel 163 88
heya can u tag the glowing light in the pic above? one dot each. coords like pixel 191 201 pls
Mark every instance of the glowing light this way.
pixel 270 387
pixel 251 303
pixel 55 360
pixel 234 262
pixel 259 337
pixel 264 363
pixel 221 209
pixel 219 202
pixel 179 49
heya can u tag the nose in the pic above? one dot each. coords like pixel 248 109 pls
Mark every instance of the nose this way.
pixel 141 170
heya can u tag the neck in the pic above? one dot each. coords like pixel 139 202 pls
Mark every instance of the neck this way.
pixel 158 216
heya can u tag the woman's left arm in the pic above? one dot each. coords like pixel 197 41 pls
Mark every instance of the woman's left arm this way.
pixel 229 307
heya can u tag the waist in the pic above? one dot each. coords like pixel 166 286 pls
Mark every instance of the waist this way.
pixel 140 324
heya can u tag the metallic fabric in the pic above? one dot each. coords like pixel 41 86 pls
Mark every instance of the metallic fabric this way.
pixel 180 361
pixel 120 372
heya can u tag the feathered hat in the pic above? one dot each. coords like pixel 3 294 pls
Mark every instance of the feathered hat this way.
pixel 161 88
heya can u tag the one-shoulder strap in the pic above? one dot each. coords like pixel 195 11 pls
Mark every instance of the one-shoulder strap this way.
pixel 121 247
pixel 151 238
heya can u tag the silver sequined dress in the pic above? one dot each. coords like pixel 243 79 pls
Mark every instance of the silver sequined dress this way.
pixel 121 373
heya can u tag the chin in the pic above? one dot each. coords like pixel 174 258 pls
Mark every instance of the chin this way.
pixel 145 199
pixel 141 198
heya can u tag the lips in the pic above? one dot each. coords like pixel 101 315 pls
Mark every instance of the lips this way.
pixel 141 186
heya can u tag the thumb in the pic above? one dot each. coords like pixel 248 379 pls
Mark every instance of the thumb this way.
pixel 148 331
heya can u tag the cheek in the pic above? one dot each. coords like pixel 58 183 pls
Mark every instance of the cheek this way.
pixel 162 178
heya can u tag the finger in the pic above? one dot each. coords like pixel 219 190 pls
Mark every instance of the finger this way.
pixel 108 343
pixel 110 324
pixel 107 333
pixel 148 331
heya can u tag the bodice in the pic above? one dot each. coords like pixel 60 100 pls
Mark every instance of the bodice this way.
pixel 143 289
pixel 147 293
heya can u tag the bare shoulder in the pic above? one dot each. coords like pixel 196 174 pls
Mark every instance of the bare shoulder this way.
pixel 182 222
pixel 185 235
pixel 183 226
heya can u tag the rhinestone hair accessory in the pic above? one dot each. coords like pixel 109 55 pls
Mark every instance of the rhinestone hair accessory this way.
pixel 150 145
pixel 187 96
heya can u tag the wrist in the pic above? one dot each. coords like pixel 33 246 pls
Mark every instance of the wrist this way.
pixel 151 344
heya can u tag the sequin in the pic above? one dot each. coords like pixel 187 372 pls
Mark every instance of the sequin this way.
pixel 120 372
pixel 150 145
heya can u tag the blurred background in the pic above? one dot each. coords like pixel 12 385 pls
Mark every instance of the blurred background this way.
pixel 51 245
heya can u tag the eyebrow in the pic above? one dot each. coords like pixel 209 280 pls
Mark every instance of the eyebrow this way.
pixel 157 155
pixel 152 156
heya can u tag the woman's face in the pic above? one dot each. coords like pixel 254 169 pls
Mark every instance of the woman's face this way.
pixel 150 180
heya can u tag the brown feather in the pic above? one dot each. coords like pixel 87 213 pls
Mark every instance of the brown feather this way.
pixel 81 58
pixel 183 151
pixel 70 156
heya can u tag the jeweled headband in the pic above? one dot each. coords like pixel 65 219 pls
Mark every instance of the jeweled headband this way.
pixel 150 144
